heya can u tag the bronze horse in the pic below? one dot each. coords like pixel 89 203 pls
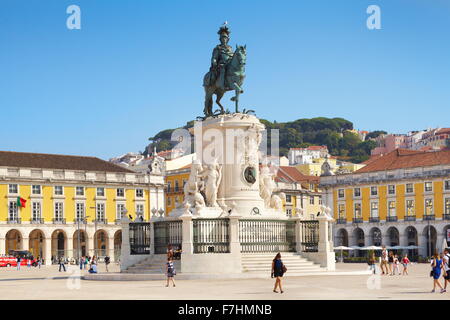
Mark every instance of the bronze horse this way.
pixel 234 77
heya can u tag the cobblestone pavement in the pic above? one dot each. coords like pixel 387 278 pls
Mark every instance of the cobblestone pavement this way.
pixel 48 283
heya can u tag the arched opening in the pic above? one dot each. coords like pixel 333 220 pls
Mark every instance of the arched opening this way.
pixel 13 241
pixel 342 238
pixel 447 234
pixel 412 238
pixel 37 243
pixel 394 236
pixel 80 244
pixel 358 235
pixel 375 236
pixel 58 245
pixel 431 237
pixel 101 243
pixel 117 244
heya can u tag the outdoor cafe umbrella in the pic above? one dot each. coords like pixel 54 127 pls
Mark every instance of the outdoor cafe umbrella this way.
pixel 342 248
pixel 411 247
pixel 371 248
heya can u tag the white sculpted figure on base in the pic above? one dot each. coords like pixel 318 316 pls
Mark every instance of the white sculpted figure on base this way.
pixel 212 176
pixel 276 202
pixel 266 185
pixel 192 187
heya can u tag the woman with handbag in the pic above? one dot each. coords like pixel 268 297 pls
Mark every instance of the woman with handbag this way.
pixel 436 264
pixel 278 269
pixel 170 271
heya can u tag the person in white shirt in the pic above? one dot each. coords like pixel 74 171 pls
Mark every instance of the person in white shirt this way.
pixel 446 261
pixel 384 261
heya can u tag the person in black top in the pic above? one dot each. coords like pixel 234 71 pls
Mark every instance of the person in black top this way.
pixel 278 269
pixel 107 261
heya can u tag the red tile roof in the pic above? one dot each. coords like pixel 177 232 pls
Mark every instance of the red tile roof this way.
pixel 57 161
pixel 403 158
pixel 291 174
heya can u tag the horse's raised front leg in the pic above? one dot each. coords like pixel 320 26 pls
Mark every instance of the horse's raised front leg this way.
pixel 237 91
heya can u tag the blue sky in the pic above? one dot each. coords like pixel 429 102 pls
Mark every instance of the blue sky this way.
pixel 136 67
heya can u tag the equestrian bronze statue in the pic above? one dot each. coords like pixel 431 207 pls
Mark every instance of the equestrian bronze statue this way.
pixel 227 72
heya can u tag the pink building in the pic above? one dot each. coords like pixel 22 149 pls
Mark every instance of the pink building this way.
pixel 388 143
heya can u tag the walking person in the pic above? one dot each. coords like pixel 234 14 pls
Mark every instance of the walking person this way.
pixel 384 261
pixel 107 261
pixel 436 264
pixel 405 263
pixel 29 263
pixel 371 262
pixel 278 269
pixel 39 262
pixel 396 265
pixel 61 264
pixel 171 272
pixel 446 261
pixel 19 260
pixel 391 263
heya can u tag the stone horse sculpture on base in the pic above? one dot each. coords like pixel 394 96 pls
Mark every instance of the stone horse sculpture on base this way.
pixel 234 78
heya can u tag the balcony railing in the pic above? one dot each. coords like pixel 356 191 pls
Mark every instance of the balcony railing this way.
pixel 80 220
pixel 14 220
pixel 410 218
pixel 101 221
pixel 391 218
pixel 59 221
pixel 446 216
pixel 341 221
pixel 374 219
pixel 37 221
pixel 429 217
pixel 357 220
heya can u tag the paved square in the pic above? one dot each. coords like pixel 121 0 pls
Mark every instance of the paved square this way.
pixel 48 283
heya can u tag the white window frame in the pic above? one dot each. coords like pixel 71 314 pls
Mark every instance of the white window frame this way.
pixel 58 213
pixel 371 191
pixel 33 189
pixel 413 207
pixel 100 211
pixel 395 189
pixel 54 191
pixel 374 209
pixel 343 193
pixel 13 210
pixel 120 212
pixel 360 210
pixel 429 200
pixel 117 193
pixel 77 211
pixel 394 208
pixel 343 215
pixel 9 188
pixel 138 211
pixel 141 193
pixel 97 192
pixel 36 210
pixel 425 186
pixel 447 206
pixel 447 185
pixel 354 193
pixel 406 188
pixel 77 188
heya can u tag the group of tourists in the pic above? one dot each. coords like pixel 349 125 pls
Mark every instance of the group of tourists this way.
pixel 389 263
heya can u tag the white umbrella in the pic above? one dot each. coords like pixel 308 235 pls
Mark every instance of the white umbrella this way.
pixel 396 247
pixel 342 248
pixel 411 247
pixel 371 248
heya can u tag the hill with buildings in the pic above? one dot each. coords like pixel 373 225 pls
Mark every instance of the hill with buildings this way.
pixel 335 133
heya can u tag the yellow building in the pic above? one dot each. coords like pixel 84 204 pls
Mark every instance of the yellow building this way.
pixel 400 199
pixel 72 205
pixel 175 180
pixel 303 196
